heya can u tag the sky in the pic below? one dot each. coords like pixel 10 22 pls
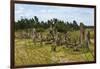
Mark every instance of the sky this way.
pixel 45 12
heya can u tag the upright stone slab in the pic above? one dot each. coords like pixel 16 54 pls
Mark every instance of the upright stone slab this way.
pixel 88 36
pixel 82 33
pixel 87 39
pixel 40 38
pixel 34 35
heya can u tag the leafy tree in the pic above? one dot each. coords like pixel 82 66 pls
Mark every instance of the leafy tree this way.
pixel 55 23
pixel 36 19
pixel 75 25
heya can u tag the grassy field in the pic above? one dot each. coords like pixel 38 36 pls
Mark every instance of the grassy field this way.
pixel 28 53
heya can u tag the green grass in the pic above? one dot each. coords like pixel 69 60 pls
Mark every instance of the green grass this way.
pixel 27 53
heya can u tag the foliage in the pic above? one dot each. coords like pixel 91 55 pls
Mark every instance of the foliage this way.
pixel 60 25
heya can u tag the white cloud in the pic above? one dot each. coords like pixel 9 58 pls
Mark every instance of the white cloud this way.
pixel 48 12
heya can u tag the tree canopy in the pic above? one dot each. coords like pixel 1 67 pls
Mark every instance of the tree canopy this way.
pixel 34 22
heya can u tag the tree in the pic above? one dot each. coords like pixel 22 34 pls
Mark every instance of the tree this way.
pixel 36 19
pixel 75 25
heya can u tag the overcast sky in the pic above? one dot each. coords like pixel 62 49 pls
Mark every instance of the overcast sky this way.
pixel 44 12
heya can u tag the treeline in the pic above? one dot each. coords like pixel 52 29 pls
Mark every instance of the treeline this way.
pixel 89 27
pixel 57 24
